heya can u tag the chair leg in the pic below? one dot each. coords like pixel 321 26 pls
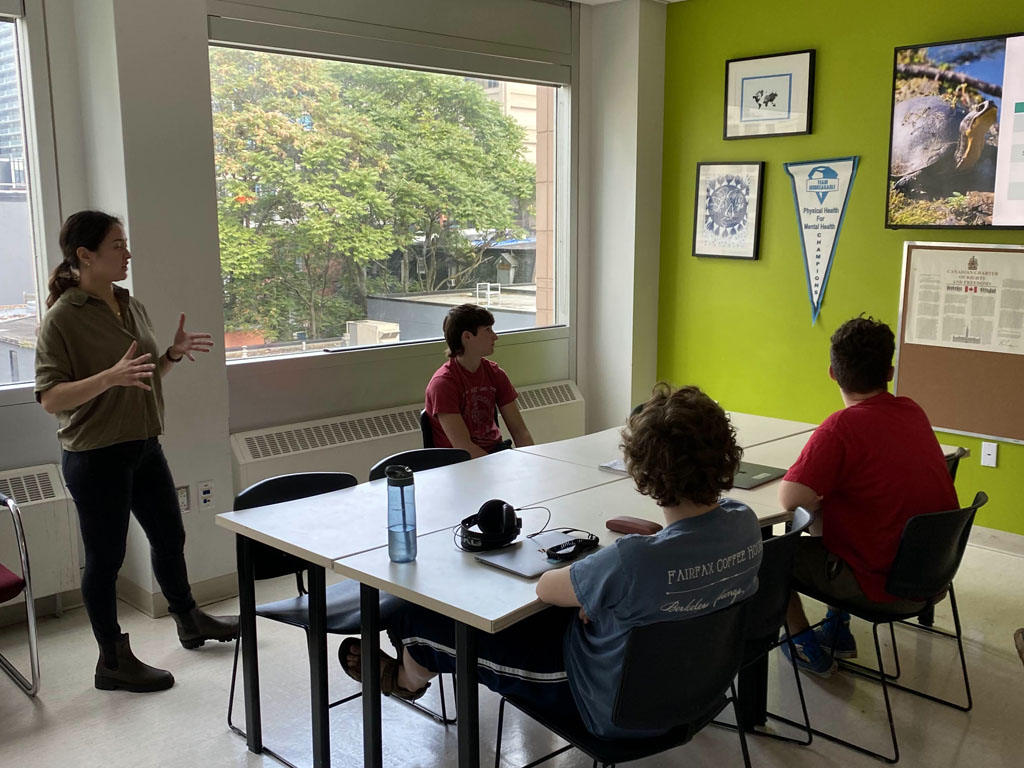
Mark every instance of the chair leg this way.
pixel 740 731
pixel 497 746
pixel 883 679
pixel 497 743
pixel 806 725
pixel 958 636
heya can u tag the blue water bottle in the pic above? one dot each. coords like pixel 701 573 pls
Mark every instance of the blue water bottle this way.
pixel 401 514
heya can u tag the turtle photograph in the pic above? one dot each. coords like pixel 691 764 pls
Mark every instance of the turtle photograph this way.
pixel 945 134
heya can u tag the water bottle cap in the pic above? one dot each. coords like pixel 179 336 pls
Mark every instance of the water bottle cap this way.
pixel 398 474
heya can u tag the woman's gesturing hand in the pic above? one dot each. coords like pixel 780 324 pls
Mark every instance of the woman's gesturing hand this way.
pixel 130 371
pixel 186 343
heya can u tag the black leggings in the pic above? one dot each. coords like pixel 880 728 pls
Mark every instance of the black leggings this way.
pixel 107 484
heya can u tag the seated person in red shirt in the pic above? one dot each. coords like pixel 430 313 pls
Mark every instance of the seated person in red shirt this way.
pixel 867 469
pixel 462 394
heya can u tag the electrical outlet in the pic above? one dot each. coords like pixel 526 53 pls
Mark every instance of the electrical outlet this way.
pixel 205 493
pixel 183 499
pixel 989 453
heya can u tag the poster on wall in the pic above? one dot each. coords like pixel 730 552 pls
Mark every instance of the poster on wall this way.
pixel 966 297
pixel 727 210
pixel 821 190
pixel 956 147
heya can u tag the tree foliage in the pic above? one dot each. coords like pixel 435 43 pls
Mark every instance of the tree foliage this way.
pixel 327 170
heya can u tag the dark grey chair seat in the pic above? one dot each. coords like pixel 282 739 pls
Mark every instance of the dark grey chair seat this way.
pixel 342 609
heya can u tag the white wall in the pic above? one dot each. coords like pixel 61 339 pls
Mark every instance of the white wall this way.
pixel 618 272
pixel 132 127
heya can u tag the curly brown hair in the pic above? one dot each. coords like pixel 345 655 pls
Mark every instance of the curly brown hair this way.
pixel 680 447
pixel 861 355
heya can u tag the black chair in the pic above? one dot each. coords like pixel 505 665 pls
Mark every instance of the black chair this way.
pixel 677 675
pixel 427 431
pixel 927 617
pixel 12 585
pixel 420 459
pixel 930 551
pixel 343 615
pixel 767 615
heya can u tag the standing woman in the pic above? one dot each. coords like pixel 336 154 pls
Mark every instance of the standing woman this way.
pixel 98 369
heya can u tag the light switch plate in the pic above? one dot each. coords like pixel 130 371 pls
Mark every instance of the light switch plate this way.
pixel 989 452
pixel 183 499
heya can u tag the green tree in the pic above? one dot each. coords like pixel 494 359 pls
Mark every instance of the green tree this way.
pixel 325 169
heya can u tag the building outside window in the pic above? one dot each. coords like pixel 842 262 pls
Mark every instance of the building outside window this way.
pixel 19 311
pixel 358 203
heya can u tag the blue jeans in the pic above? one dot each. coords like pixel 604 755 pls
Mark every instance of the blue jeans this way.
pixel 107 484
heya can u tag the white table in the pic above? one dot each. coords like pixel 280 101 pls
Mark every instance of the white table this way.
pixel 321 529
pixel 599 447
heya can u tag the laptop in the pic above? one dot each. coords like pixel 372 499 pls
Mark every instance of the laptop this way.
pixel 753 475
pixel 527 557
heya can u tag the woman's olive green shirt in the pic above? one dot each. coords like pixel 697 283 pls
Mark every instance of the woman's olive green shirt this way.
pixel 80 337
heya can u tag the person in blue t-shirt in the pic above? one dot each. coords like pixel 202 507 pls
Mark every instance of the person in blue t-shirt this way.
pixel 680 450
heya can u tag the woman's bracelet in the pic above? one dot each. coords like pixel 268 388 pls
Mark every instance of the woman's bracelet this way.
pixel 167 354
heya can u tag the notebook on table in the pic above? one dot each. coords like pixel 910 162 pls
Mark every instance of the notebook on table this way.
pixel 753 475
pixel 527 557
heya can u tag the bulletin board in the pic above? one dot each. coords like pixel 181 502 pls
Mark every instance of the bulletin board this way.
pixel 960 338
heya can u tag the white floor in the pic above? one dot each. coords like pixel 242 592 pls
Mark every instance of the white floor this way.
pixel 72 724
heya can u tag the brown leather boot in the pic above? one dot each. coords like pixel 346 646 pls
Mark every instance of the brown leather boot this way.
pixel 197 626
pixel 118 669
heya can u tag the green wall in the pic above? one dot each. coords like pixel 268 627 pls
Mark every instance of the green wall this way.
pixel 742 330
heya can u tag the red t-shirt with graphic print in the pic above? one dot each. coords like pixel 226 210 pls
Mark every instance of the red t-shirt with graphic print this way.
pixel 453 389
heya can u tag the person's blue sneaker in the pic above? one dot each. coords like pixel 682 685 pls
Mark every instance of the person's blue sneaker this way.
pixel 810 656
pixel 834 635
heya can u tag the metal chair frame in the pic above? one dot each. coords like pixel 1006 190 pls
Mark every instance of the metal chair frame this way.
pixel 30 687
pixel 879 674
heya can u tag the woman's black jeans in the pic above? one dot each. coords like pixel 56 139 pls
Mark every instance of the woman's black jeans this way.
pixel 107 483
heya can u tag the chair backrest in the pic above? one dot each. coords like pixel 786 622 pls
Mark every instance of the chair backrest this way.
pixel 674 671
pixel 426 430
pixel 768 606
pixel 930 552
pixel 269 563
pixel 420 459
pixel 953 461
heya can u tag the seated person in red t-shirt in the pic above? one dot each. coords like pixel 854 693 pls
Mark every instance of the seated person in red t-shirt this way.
pixel 867 469
pixel 462 394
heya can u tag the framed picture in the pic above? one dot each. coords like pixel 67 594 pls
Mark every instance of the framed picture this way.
pixel 955 153
pixel 727 210
pixel 769 95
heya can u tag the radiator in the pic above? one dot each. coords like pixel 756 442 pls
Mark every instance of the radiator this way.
pixel 356 442
pixel 51 528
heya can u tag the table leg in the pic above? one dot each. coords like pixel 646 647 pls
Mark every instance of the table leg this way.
pixel 467 695
pixel 753 682
pixel 369 648
pixel 247 637
pixel 316 639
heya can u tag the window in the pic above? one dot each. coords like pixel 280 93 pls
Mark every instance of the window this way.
pixel 19 306
pixel 357 203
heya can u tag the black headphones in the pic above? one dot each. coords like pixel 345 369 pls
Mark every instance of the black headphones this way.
pixel 497 526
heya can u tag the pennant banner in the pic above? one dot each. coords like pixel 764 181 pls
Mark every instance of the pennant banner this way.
pixel 821 189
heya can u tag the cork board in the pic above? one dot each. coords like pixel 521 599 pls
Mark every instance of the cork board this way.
pixel 973 391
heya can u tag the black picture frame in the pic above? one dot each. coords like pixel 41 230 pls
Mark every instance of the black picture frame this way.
pixel 727 209
pixel 929 200
pixel 769 95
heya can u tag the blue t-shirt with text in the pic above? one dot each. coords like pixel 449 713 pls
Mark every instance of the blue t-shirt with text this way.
pixel 691 567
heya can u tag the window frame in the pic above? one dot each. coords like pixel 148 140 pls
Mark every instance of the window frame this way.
pixel 259 28
pixel 29 19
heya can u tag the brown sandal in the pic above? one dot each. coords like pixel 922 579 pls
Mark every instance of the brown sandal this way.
pixel 388 672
